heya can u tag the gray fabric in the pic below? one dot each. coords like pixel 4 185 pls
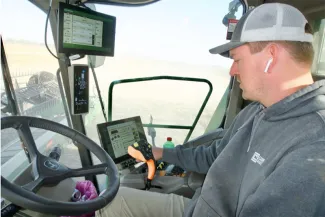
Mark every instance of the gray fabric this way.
pixel 267 19
pixel 131 202
pixel 206 139
pixel 267 22
pixel 224 49
pixel 271 161
pixel 291 18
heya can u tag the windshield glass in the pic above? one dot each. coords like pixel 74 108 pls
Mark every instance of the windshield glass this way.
pixel 318 67
pixel 33 74
pixel 167 38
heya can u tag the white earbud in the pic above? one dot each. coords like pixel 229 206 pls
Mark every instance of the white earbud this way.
pixel 268 65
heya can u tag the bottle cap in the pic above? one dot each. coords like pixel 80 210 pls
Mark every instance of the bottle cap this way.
pixel 169 138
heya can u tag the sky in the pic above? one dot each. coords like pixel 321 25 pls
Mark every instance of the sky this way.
pixel 177 30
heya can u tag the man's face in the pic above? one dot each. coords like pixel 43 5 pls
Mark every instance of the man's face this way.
pixel 248 71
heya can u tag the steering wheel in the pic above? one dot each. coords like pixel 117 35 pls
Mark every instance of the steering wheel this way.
pixel 47 171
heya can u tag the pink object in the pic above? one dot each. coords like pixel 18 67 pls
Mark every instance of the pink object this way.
pixel 88 192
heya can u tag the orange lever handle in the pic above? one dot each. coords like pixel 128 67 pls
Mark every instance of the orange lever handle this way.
pixel 135 153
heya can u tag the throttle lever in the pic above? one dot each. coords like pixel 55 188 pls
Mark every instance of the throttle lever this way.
pixel 142 151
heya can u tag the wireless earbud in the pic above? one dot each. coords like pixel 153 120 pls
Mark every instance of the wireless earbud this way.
pixel 268 65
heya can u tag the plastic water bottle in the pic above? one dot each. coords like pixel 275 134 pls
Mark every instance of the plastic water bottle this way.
pixel 169 143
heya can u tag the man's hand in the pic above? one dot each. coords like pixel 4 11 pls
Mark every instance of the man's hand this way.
pixel 157 153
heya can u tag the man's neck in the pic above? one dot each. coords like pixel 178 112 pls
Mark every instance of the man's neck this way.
pixel 286 88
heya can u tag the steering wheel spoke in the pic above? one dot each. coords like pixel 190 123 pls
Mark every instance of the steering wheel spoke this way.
pixel 28 139
pixel 34 186
pixel 93 170
pixel 81 172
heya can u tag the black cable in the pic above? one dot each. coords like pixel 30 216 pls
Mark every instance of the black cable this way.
pixel 47 19
pixel 98 91
pixel 79 3
pixel 85 6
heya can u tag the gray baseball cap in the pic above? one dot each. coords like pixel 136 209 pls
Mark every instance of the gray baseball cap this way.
pixel 267 22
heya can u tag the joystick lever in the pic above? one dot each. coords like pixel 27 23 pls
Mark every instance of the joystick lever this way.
pixel 142 151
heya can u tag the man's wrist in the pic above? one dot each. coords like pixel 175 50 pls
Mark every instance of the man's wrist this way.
pixel 157 153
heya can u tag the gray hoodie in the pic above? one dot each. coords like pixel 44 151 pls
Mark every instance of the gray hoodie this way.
pixel 270 162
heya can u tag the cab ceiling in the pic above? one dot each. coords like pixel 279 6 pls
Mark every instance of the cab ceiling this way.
pixel 312 9
pixel 44 4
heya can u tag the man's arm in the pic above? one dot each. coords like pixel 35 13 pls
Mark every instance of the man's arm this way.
pixel 206 139
pixel 197 159
pixel 295 188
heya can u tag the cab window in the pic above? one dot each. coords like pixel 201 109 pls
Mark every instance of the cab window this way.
pixel 319 47
pixel 165 38
pixel 33 73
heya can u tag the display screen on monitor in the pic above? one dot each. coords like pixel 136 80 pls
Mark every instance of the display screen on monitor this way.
pixel 117 136
pixel 81 90
pixel 83 31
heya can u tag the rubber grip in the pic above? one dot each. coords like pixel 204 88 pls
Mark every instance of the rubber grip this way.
pixel 151 169
pixel 136 154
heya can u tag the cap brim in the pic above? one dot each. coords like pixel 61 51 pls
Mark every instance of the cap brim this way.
pixel 224 49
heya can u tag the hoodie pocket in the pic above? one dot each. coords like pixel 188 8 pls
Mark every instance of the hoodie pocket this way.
pixel 203 209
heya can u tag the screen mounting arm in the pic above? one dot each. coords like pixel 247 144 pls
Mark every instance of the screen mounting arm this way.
pixel 98 91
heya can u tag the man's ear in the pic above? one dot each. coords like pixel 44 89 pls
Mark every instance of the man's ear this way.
pixel 272 52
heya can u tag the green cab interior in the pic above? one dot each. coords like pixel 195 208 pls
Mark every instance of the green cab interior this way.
pixel 154 71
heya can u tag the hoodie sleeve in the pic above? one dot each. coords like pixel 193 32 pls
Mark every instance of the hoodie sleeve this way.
pixel 197 159
pixel 295 188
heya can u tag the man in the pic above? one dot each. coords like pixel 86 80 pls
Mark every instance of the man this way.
pixel 271 161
